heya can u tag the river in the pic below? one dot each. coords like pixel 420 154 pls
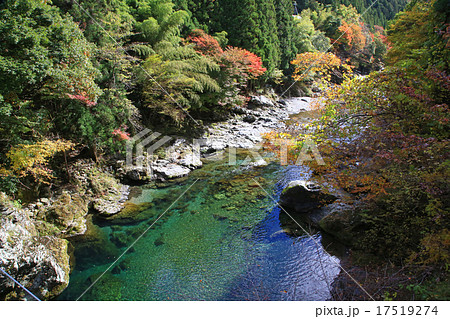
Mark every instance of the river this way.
pixel 223 239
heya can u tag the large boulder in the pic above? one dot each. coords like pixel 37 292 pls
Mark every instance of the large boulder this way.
pixel 68 213
pixel 165 170
pixel 260 101
pixel 40 263
pixel 304 197
pixel 139 172
pixel 344 224
pixel 184 154
pixel 113 201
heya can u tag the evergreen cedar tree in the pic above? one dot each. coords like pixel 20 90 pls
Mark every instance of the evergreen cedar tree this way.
pixel 379 13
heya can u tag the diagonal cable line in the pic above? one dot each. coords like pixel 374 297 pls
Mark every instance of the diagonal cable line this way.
pixel 20 285
pixel 312 238
pixel 137 239
pixel 314 62
pixel 140 66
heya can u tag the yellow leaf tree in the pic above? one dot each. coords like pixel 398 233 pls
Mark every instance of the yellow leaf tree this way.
pixel 309 65
pixel 32 159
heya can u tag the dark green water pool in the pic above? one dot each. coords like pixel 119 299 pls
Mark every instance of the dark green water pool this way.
pixel 223 240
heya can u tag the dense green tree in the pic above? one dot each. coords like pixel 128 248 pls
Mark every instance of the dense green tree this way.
pixel 52 85
pixel 375 12
pixel 186 82
pixel 158 23
pixel 97 16
pixel 175 78
pixel 286 32
pixel 268 42
pixel 201 13
pixel 44 61
pixel 307 38
pixel 240 19
pixel 252 24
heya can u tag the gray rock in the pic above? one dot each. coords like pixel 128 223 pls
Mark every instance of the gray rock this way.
pixel 138 171
pixel 260 101
pixel 191 161
pixel 139 174
pixel 249 119
pixel 41 264
pixel 304 197
pixel 217 145
pixel 170 171
pixel 112 203
pixel 185 154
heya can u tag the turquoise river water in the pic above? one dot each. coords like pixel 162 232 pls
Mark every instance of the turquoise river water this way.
pixel 224 239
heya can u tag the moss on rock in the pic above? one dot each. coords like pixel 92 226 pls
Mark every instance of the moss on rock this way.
pixel 68 213
pixel 132 213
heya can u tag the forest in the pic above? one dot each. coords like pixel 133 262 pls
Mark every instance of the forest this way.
pixel 69 79
pixel 79 78
pixel 375 12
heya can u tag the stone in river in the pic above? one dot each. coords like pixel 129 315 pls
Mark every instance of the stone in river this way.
pixel 304 197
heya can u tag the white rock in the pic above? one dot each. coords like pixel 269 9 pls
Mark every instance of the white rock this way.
pixel 171 171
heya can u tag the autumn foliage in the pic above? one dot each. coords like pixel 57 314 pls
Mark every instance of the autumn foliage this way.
pixel 121 135
pixel 385 139
pixel 205 43
pixel 317 64
pixel 32 159
pixel 82 98
pixel 238 61
pixel 238 68
pixel 351 34
pixel 245 62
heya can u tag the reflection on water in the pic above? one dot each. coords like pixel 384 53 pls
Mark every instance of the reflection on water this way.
pixel 221 241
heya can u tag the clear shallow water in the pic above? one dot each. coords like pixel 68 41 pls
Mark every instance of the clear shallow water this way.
pixel 222 240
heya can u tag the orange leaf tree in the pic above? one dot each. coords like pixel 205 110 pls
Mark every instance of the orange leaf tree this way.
pixel 351 34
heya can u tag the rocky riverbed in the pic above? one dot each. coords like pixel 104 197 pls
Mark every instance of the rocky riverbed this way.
pixel 243 130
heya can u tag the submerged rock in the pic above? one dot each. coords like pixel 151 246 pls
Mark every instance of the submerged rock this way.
pixel 259 163
pixel 132 213
pixel 304 197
